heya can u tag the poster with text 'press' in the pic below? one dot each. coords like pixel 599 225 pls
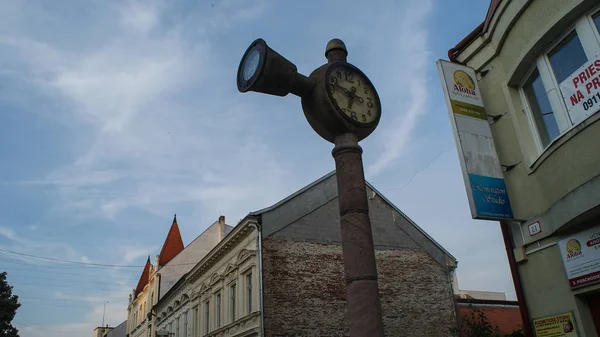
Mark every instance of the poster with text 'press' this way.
pixel 486 190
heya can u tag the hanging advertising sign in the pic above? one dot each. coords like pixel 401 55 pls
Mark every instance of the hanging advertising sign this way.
pixel 482 175
pixel 581 91
pixel 562 325
pixel 581 257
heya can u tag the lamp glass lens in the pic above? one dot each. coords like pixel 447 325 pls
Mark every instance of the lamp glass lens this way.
pixel 251 64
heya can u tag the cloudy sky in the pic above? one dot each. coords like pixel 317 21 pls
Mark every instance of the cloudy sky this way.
pixel 117 114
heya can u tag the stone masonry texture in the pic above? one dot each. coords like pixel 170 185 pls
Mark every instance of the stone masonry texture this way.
pixel 304 291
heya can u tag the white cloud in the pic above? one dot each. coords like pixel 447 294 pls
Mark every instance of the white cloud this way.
pixel 404 84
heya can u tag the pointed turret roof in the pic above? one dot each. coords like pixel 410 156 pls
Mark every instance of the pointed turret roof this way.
pixel 173 244
pixel 144 278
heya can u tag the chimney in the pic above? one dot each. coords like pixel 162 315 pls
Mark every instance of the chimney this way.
pixel 221 227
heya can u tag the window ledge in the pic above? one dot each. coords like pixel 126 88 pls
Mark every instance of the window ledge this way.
pixel 562 139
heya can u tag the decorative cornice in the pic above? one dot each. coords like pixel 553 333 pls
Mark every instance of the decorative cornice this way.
pixel 215 278
pixel 224 247
pixel 244 255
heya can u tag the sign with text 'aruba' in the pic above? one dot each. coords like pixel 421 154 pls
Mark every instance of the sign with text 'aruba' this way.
pixel 482 175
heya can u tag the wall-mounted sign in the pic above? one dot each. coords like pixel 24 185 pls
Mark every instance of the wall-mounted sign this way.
pixel 562 325
pixel 581 257
pixel 535 228
pixel 482 175
pixel 581 91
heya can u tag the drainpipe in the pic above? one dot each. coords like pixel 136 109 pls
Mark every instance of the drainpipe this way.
pixel 260 277
pixel 514 271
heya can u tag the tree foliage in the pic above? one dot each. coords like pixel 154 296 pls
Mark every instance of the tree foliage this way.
pixel 9 304
pixel 476 324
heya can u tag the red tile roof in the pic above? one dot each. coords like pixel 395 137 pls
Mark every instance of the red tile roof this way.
pixel 173 244
pixel 506 318
pixel 144 278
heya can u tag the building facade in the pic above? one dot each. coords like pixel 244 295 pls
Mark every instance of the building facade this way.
pixel 173 262
pixel 280 273
pixel 538 65
pixel 219 296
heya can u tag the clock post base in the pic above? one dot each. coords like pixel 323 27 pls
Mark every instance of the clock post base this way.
pixel 360 268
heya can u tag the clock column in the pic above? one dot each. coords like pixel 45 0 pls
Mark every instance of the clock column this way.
pixel 360 268
pixel 264 70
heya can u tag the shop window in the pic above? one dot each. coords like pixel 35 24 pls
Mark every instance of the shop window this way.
pixel 596 19
pixel 567 57
pixel 541 109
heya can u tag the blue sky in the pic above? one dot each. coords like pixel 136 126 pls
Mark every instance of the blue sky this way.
pixel 117 114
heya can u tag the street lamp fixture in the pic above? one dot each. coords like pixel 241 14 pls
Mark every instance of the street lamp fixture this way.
pixel 341 104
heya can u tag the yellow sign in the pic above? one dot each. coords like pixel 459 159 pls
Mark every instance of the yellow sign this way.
pixel 562 325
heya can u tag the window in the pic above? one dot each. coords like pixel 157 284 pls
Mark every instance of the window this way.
pixel 206 317
pixel 541 109
pixel 567 57
pixel 171 327
pixel 553 109
pixel 177 327
pixel 218 300
pixel 232 301
pixel 195 322
pixel 249 293
pixel 185 324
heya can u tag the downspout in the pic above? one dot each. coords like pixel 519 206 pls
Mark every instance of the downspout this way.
pixel 260 277
pixel 516 276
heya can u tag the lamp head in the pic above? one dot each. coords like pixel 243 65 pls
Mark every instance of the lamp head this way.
pixel 263 70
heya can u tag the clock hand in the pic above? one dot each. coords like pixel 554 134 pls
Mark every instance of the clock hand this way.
pixel 350 102
pixel 344 90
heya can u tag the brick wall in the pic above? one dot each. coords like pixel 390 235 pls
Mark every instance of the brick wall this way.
pixel 304 292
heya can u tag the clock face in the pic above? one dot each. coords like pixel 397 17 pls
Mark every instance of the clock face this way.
pixel 353 95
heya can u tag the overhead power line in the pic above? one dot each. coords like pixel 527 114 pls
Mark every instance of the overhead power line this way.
pixel 41 328
pixel 69 261
pixel 70 280
pixel 87 263
pixel 60 272
pixel 422 169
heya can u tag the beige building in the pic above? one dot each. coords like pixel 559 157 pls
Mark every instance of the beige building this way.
pixel 538 72
pixel 172 263
pixel 220 295
pixel 280 272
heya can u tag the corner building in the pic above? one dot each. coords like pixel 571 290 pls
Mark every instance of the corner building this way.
pixel 538 65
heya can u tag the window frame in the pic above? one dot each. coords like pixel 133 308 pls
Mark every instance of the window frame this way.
pixel 206 317
pixel 248 287
pixel 195 321
pixel 232 300
pixel 218 309
pixel 589 37
pixel 186 321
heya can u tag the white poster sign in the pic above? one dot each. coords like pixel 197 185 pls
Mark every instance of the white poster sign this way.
pixel 486 191
pixel 581 91
pixel 581 257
